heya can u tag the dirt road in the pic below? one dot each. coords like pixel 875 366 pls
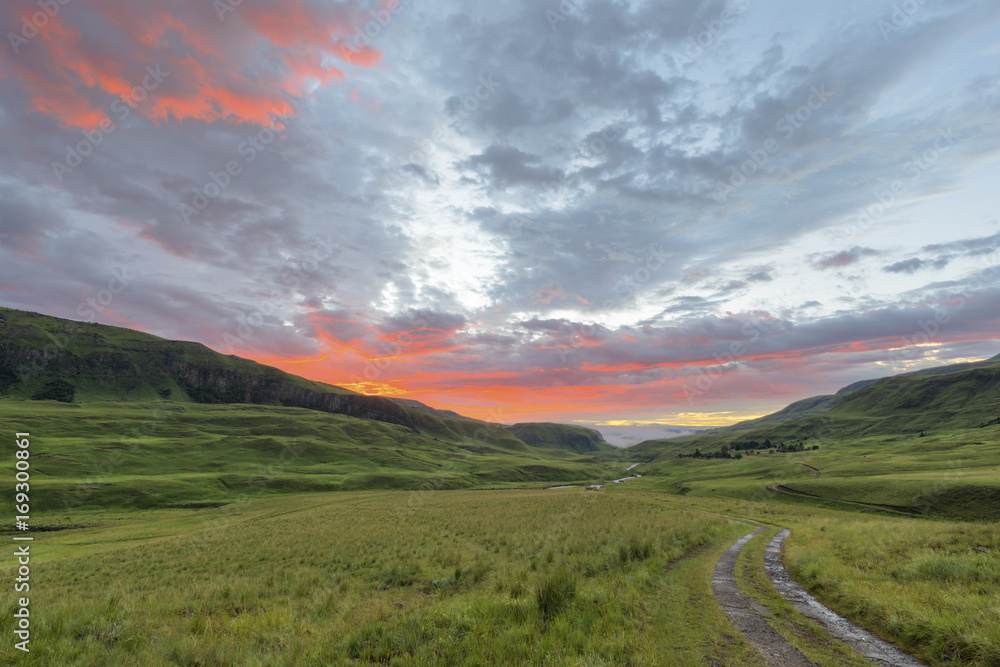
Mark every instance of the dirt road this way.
pixel 749 616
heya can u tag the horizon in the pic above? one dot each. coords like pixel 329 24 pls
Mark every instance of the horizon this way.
pixel 587 213
pixel 623 434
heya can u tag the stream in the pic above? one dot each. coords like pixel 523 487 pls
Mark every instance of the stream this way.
pixel 597 486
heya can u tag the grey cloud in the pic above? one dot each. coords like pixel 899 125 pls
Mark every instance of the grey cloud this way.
pixel 916 264
pixel 837 260
pixel 507 166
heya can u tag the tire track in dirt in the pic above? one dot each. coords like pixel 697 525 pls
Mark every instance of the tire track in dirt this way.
pixel 745 612
pixel 872 647
pixel 748 615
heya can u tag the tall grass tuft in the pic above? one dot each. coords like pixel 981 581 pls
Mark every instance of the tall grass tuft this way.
pixel 555 592
pixel 634 548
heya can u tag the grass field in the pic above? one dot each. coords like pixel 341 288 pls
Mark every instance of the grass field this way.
pixel 928 585
pixel 179 533
pixel 144 455
pixel 944 475
pixel 410 578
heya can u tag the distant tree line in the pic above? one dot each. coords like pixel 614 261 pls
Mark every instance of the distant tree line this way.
pixel 733 449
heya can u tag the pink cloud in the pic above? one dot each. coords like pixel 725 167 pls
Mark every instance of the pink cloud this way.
pixel 245 66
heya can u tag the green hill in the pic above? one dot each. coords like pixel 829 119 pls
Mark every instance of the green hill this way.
pixel 561 436
pixel 958 396
pixel 149 422
pixel 819 405
pixel 423 407
pixel 45 357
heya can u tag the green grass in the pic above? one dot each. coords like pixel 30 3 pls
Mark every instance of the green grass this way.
pixel 103 456
pixel 802 633
pixel 947 399
pixel 950 475
pixel 561 436
pixel 928 585
pixel 407 578
pixel 925 585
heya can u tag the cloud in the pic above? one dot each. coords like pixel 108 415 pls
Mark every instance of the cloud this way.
pixel 245 67
pixel 970 247
pixel 838 260
pixel 507 166
pixel 546 245
pixel 916 264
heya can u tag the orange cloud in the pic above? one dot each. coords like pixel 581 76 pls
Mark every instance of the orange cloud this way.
pixel 248 66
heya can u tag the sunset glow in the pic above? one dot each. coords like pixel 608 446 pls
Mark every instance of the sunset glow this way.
pixel 515 218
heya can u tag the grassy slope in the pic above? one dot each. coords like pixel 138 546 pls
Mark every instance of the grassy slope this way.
pixel 561 436
pixel 51 335
pixel 107 363
pixel 142 455
pixel 818 406
pixel 897 405
pixel 948 475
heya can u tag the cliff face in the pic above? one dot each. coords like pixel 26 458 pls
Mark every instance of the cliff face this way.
pixel 212 385
pixel 100 363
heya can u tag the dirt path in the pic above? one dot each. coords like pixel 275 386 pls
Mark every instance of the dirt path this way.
pixel 749 616
pixel 778 487
pixel 815 472
pixel 867 644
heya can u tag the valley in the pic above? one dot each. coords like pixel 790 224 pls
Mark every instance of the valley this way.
pixel 296 529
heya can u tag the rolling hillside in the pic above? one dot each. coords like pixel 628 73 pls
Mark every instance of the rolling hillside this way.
pixel 561 436
pixel 156 422
pixel 960 396
pixel 819 405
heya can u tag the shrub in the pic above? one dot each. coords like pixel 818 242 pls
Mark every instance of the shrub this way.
pixel 56 390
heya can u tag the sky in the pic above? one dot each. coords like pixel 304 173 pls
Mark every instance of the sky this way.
pixel 651 215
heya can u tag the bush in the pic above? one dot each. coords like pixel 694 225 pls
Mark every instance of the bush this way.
pixel 56 390
pixel 554 593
